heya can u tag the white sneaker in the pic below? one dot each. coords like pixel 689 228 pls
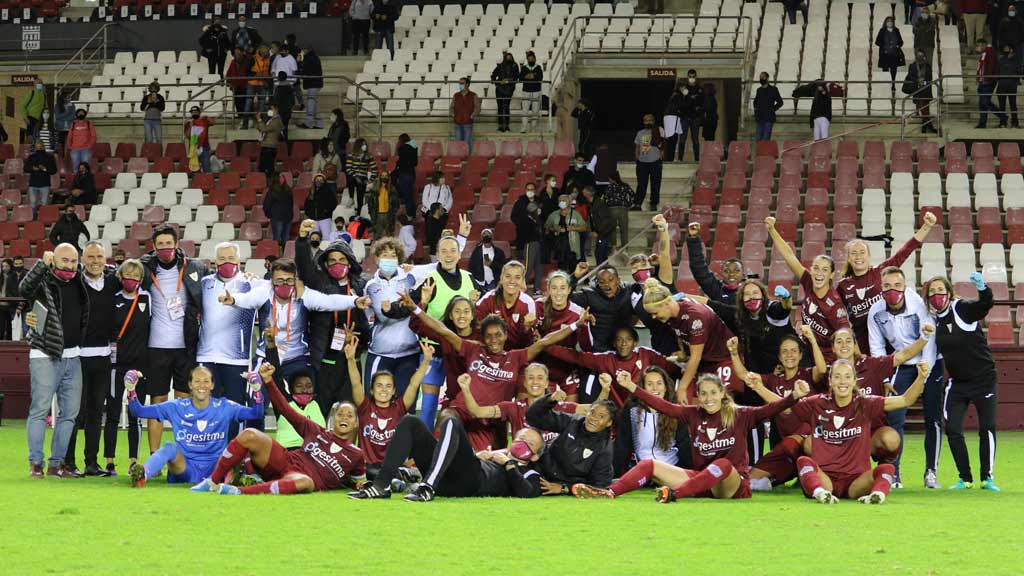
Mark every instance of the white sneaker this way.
pixel 931 480
pixel 897 485
pixel 826 497
pixel 873 498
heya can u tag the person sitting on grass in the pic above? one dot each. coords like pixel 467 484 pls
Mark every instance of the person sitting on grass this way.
pixel 200 425
pixel 329 457
pixel 303 397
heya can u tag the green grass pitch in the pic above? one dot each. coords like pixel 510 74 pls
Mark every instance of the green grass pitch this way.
pixel 101 526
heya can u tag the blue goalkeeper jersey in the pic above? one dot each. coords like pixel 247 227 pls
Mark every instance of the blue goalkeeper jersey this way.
pixel 225 334
pixel 201 435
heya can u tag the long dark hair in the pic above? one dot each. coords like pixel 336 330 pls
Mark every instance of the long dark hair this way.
pixel 448 314
pixel 549 307
pixel 665 436
pixel 746 324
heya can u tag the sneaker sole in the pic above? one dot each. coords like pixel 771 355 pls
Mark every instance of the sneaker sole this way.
pixel 584 492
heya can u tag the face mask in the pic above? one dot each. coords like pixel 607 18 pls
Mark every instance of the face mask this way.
pixel 764 82
pixel 462 87
pixel 648 124
pixel 227 270
pixel 69 215
pixel 166 255
pixel 641 276
pixel 530 194
pixel 889 26
pixel 270 113
pixel 563 205
pixel 487 239
pixel 6 269
pixel 752 305
pixel 314 243
pixel 119 261
pixel 241 24
pixel 302 400
pixel 520 450
pixel 80 116
pixel 130 285
pixel 46 115
pixel 1011 14
pixel 580 166
pixel 39 86
pixel 552 183
pixel 338 270
pixel 64 275
pixel 284 292
pixel 892 297
pixel 938 301
pixel 691 81
pixel 731 286
pixel 195 116
pixel 388 266
pixel 339 228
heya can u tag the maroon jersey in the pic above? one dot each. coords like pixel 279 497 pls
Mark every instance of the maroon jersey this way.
pixel 860 292
pixel 711 440
pixel 518 335
pixel 494 378
pixel 563 374
pixel 698 324
pixel 841 440
pixel 514 412
pixel 872 373
pixel 453 362
pixel 788 423
pixel 823 315
pixel 327 459
pixel 377 426
pixel 609 362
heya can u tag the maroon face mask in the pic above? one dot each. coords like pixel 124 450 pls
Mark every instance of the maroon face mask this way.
pixel 284 292
pixel 338 270
pixel 227 270
pixel 520 450
pixel 892 297
pixel 165 255
pixel 752 305
pixel 938 301
pixel 65 275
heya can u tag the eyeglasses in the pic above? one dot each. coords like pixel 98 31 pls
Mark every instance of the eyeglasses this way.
pixel 284 282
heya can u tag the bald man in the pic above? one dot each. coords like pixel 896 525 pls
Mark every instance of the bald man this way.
pixel 56 284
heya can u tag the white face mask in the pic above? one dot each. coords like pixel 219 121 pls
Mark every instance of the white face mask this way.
pixel 552 183
pixel 563 205
pixel 365 148
pixel 270 113
pixel 530 194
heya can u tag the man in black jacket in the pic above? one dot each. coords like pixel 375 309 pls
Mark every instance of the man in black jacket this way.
pixel 245 38
pixel 486 261
pixel 609 302
pixel 68 228
pixel 723 290
pixel 383 16
pixel 54 366
pixel 767 101
pixel 582 453
pixel 504 76
pixel 334 271
pixel 531 75
pixel 173 282
pixel 526 215
pixel 214 45
pixel 691 113
pixel 312 73
pixel 39 166
pixel 578 176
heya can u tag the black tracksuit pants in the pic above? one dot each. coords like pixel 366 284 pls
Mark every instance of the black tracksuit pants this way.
pixel 983 395
pixel 447 463
pixel 333 384
pixel 95 386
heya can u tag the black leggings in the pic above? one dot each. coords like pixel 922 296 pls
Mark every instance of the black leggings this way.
pixel 114 416
pixel 983 396
pixel 268 160
pixel 432 230
pixel 447 463
pixel 95 387
pixel 504 111
pixel 357 191
pixel 333 385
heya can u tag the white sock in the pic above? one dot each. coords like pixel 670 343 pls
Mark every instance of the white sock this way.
pixel 761 484
pixel 818 491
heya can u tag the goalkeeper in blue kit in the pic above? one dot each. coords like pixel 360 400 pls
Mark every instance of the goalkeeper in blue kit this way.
pixel 200 425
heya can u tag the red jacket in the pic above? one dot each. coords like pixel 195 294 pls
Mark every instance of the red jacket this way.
pixel 987 65
pixel 82 136
pixel 204 136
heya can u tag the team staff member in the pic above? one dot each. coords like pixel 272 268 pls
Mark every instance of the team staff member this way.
pixel 972 374
pixel 172 281
pixel 583 450
pixel 101 285
pixel 225 335
pixel 334 271
pixel 719 429
pixel 642 433
pixel 610 302
pixel 861 285
pixel 723 290
pixel 759 323
pixel 841 442
pixel 129 338
pixel 896 322
pixel 822 309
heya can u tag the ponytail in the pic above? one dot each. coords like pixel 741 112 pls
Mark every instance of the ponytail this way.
pixel 728 410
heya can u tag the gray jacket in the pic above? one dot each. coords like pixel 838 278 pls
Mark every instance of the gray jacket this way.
pixel 42 286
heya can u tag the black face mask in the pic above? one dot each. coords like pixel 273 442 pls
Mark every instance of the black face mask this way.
pixel 119 261
pixel 487 239
pixel 80 116
pixel 69 215
pixel 314 243
pixel 764 82
pixel 195 116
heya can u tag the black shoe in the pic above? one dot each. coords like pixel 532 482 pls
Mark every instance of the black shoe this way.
pixel 980 127
pixel 654 207
pixel 369 493
pixel 111 470
pixel 94 470
pixel 422 493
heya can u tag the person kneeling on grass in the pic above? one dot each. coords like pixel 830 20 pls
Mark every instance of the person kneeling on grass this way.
pixel 583 450
pixel 719 429
pixel 200 425
pixel 841 441
pixel 329 457
pixel 452 468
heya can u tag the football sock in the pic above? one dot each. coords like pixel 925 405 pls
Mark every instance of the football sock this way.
pixel 275 487
pixel 884 475
pixel 428 409
pixel 810 480
pixel 231 456
pixel 703 481
pixel 635 478
pixel 157 460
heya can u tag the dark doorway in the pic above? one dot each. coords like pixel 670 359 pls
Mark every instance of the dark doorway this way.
pixel 619 107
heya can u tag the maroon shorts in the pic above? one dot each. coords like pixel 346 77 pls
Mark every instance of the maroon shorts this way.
pixel 841 484
pixel 742 492
pixel 279 462
pixel 779 465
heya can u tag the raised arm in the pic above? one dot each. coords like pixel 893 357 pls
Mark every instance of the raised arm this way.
pixel 800 389
pixel 900 357
pixel 696 351
pixel 251 300
pixel 320 302
pixel 476 410
pixel 555 337
pixel 974 310
pixel 784 250
pixel 664 247
pixel 677 411
pixel 542 414
pixel 908 398
pixel 304 263
pixel 256 410
pixel 301 424
pixel 430 322
pixel 409 398
pixel 907 249
pixel 755 382
pixel 733 344
pixel 707 281
pixel 354 375
pixel 820 368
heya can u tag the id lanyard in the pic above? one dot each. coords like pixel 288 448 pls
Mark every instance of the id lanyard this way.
pixel 288 322
pixel 180 276
pixel 131 311
pixel 348 313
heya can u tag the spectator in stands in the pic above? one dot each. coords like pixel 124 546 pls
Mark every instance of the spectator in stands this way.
pixel 619 197
pixel 359 227
pixel 602 164
pixel 890 48
pixel 285 99
pixel 260 83
pixel 245 38
pixel 821 111
pixel 531 74
pixel 32 106
pixel 315 240
pixel 312 73
pixel 54 366
pixel 339 133
pixel 238 82
pixel 405 172
pixel 709 125
pixel 791 8
pixel 67 228
pixel 505 76
pixel 578 176
pixel 925 30
pixel 566 225
pixel 407 236
pixel 918 80
pixel 649 141
pixel 384 15
pixel 988 67
pixel 549 193
pixel 528 220
pixel 767 102
pixel 278 206
pixel 8 289
pixel 63 118
pixel 44 133
pixel 360 172
pixel 214 45
pixel 486 261
pixel 197 136
pixel 268 262
pixel 1006 87
pixel 435 205
pixel 271 129
pixel 973 12
pixel 580 202
pixel 464 108
pixel 39 166
pixel 691 113
pixel 584 116
pixel 320 204
pixel 382 200
pixel 359 12
pixel 602 225
pixel 83 187
pixel 1011 31
pixel 152 107
pixel 81 140
pixel 326 157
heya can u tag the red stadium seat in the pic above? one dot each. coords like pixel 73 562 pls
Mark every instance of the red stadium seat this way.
pixel 730 214
pixel 722 251
pixel 532 164
pixel 704 197
pixel 1000 334
pixel 536 149
pixel 960 215
pixel 110 166
pixel 246 197
pixel 767 148
pixel 484 149
pixel 202 180
pixel 484 214
pixel 1009 158
pixel 431 149
pixel 256 180
pixel 266 248
pixel 819 180
pixel 512 148
pixel 229 181
pixel 302 150
pixel 491 195
pixel 125 151
pixel 814 232
pixel 100 151
pixel 755 232
pixel 565 148
pixel 6 151
pixel 504 164
pixel 754 251
pixel 257 215
pixel 848 149
pixel 188 247
pixel 49 213
pixel 760 196
pixel 137 166
pixel 458 149
pixel 961 233
pixel 163 165
pixel 239 164
pixel 22 214
pixel 20 248
pixel 218 197
pixel 736 165
pixel 177 151
pixel 33 231
pixel 990 226
pixel 130 247
pixel 809 251
pixel 727 233
pixel 844 232
pixel 153 214
pixel 249 231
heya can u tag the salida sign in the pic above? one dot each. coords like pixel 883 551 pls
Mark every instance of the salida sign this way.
pixel 660 73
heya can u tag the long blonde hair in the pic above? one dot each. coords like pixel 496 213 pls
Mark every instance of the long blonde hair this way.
pixel 728 406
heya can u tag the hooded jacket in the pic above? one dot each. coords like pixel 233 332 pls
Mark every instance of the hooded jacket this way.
pixel 194 272
pixel 68 230
pixel 322 201
pixel 576 455
pixel 42 286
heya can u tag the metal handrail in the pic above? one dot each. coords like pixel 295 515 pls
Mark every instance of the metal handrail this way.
pixel 80 56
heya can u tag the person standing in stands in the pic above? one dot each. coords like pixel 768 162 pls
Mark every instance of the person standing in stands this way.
pixel 279 206
pixel 63 118
pixel 83 187
pixel 821 111
pixel 197 137
pixel 1011 31
pixel 565 226
pixel 259 85
pixel 405 172
pixel 44 133
pixel 767 102
pixel 339 133
pixel 691 114
pixel 382 204
pixel 649 141
pixel 925 30
pixel 504 76
pixel 271 129
pixel 576 178
pixel 320 204
pixel 8 289
pixel 584 116
pixel 32 106
pixel 1006 86
pixel 464 108
pixel 39 166
pixel 312 73
pixel 526 215
pixel 68 229
pixel 152 106
pixel 919 78
pixel 214 45
pixel 284 99
pixel 988 67
pixel 360 173
pixel 359 12
pixel 437 202
pixel 238 82
pixel 486 261
pixel 531 74
pixel 81 140
pixel 384 15
pixel 890 48
pixel 284 62
pixel 245 38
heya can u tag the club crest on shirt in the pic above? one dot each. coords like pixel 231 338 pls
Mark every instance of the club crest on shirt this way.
pixel 812 308
pixel 861 292
pixel 639 364
pixel 697 325
pixel 950 328
pixel 515 317
pixel 382 423
pixel 712 432
pixel 194 276
pixel 335 448
pixel 201 425
pixel 837 421
pixel 142 306
pixel 587 452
